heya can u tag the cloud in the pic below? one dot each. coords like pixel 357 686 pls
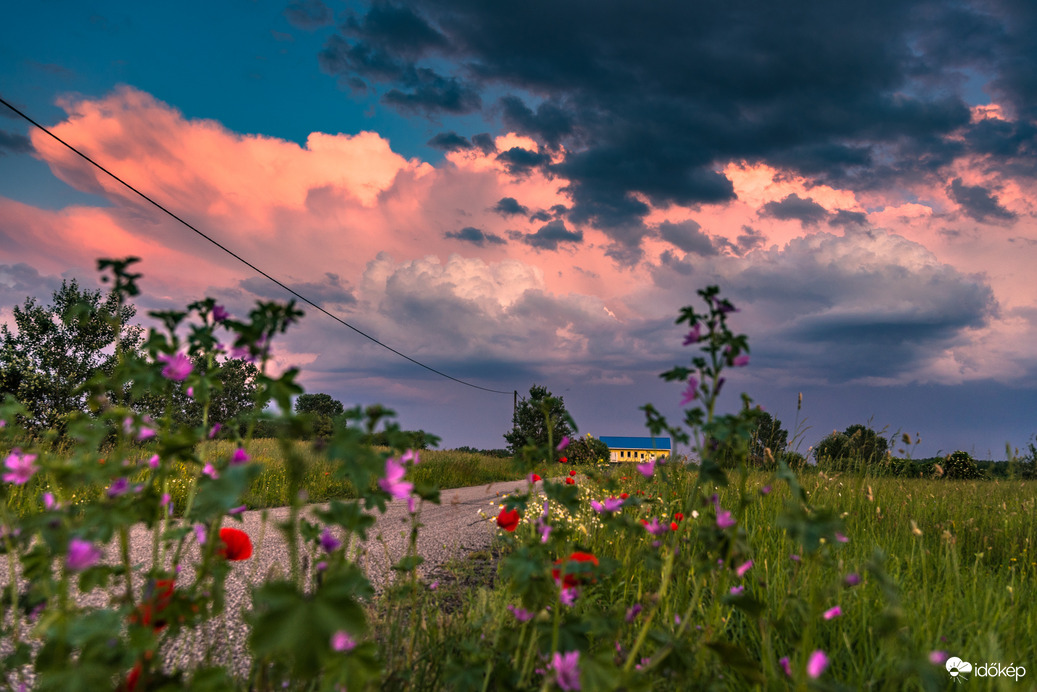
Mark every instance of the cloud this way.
pixel 507 206
pixel 642 110
pixel 687 236
pixel 519 160
pixel 476 236
pixel 330 291
pixel 870 305
pixel 977 201
pixel 308 14
pixel 550 235
pixel 805 210
pixel 14 143
pixel 450 141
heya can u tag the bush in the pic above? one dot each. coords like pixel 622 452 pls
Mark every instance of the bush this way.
pixel 587 450
pixel 857 448
pixel 960 465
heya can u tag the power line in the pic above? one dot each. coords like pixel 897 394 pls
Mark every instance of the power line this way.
pixel 243 260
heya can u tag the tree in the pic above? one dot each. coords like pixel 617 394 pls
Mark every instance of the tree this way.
pixel 323 408
pixel 320 404
pixel 856 446
pixel 532 417
pixel 57 348
pixel 768 434
pixel 233 395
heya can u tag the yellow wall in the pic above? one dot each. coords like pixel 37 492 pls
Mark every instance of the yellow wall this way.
pixel 638 455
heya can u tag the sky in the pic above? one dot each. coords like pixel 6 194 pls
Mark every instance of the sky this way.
pixel 528 193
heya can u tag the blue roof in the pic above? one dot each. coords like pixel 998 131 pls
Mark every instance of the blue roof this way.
pixel 636 442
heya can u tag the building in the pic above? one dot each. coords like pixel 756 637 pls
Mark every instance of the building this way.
pixel 637 448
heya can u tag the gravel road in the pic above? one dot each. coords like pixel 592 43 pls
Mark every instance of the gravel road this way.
pixel 450 529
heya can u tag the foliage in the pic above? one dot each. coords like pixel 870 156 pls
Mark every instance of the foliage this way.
pixel 541 420
pixel 55 349
pixel 960 465
pixel 768 434
pixel 857 447
pixel 232 396
pixel 321 404
pixel 586 450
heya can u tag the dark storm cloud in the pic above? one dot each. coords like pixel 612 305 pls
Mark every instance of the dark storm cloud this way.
pixel 450 141
pixel 485 143
pixel 687 236
pixel 847 218
pixel 329 291
pixel 21 281
pixel 805 210
pixel 507 206
pixel 308 14
pixel 475 236
pixel 541 215
pixel 550 235
pixel 12 143
pixel 519 160
pixel 863 305
pixel 650 104
pixel 977 201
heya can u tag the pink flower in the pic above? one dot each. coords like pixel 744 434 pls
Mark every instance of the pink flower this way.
pixel 691 392
pixel 609 505
pixel 521 614
pixel 82 554
pixel 118 487
pixel 633 611
pixel 200 533
pixel 145 434
pixel 725 520
pixel 240 456
pixel 740 361
pixel 237 510
pixel 20 467
pixel 852 579
pixel 743 568
pixel 341 641
pixel 569 596
pixel 817 663
pixel 647 469
pixel 154 461
pixel 411 456
pixel 563 444
pixel 393 482
pixel 654 527
pixel 214 431
pixel 210 471
pixel 937 658
pixel 832 613
pixel 841 538
pixel 328 541
pixel 567 670
pixel 178 366
pixel 737 590
pixel 694 336
pixel 785 665
pixel 219 313
pixel 190 392
pixel 48 501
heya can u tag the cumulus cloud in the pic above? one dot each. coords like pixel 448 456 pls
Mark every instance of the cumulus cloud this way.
pixel 805 210
pixel 977 201
pixel 329 291
pixel 687 236
pixel 507 206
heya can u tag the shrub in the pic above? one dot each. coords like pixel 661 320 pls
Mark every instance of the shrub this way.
pixel 857 448
pixel 960 465
pixel 586 450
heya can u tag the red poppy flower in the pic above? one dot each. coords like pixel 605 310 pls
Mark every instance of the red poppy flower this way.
pixel 132 678
pixel 236 544
pixel 573 580
pixel 679 516
pixel 570 481
pixel 564 459
pixel 536 477
pixel 508 520
pixel 157 598
pixel 623 496
pixel 572 472
pixel 673 526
